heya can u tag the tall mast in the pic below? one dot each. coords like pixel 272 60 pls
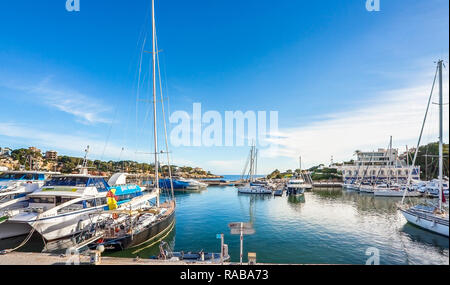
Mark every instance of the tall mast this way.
pixel 84 168
pixel 252 162
pixel 390 162
pixel 440 134
pixel 256 161
pixel 154 104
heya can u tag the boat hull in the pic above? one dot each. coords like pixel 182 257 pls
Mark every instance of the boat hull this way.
pixel 9 230
pixel 278 193
pixel 391 193
pixel 438 226
pixel 251 190
pixel 296 191
pixel 61 226
pixel 151 233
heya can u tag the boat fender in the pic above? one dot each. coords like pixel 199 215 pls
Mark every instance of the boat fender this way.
pixel 111 199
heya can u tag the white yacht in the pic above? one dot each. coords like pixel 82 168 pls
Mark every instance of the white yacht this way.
pixel 433 218
pixel 296 187
pixel 432 188
pixel 252 186
pixel 249 189
pixel 193 184
pixel 15 185
pixel 384 191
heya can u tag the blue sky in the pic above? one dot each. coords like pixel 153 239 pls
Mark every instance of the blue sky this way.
pixel 340 77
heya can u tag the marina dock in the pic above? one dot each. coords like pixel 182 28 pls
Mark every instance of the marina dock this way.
pixel 33 258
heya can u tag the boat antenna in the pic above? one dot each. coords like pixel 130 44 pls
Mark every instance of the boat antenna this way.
pixel 83 168
pixel 300 163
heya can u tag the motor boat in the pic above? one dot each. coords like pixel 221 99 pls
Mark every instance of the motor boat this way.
pixel 193 184
pixel 16 185
pixel 66 204
pixel 296 187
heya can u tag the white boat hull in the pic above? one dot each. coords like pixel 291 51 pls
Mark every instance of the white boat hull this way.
pixel 393 193
pixel 9 230
pixel 254 191
pixel 427 223
pixel 366 190
pixel 64 225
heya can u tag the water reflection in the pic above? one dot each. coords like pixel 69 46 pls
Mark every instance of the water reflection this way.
pixel 337 227
pixel 296 199
pixel 296 202
pixel 330 193
pixel 425 237
pixel 366 202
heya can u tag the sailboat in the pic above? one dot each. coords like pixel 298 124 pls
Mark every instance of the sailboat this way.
pixel 253 187
pixel 131 228
pixel 16 185
pixel 390 188
pixel 430 217
pixel 66 204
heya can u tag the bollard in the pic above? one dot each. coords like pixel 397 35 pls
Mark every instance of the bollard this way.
pixel 96 257
pixel 251 258
pixel 225 252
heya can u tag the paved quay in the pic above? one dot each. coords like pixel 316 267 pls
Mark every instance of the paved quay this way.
pixel 33 258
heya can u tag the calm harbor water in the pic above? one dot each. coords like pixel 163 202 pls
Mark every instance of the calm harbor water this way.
pixel 322 227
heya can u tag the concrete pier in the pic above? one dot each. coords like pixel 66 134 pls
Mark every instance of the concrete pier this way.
pixel 34 258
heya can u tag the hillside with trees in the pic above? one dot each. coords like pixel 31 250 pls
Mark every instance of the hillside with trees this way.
pixel 32 158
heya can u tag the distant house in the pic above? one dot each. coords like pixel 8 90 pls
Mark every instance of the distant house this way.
pixel 34 149
pixel 5 151
pixel 51 155
pixel 198 170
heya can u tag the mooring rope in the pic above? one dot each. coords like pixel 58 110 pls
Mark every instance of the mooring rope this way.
pixel 30 234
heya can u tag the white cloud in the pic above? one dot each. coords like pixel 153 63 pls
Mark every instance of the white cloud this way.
pixel 397 112
pixel 64 142
pixel 86 109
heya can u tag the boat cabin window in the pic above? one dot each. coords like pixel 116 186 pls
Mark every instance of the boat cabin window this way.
pixel 72 207
pixel 61 200
pixel 42 200
pixel 99 183
pixel 17 176
pixel 78 206
pixel 67 181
